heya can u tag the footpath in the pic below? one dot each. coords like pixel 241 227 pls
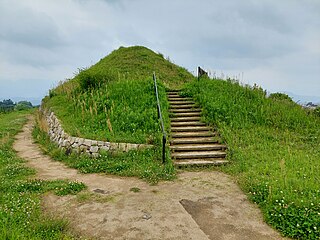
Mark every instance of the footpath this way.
pixel 198 205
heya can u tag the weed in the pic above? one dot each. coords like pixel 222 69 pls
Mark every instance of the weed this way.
pixel 114 100
pixel 135 189
pixel 20 211
pixel 273 145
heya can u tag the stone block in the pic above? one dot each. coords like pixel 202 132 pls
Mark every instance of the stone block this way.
pixel 83 148
pixel 114 146
pixel 94 149
pixel 80 141
pixel 64 143
pixel 87 142
pixel 63 135
pixel 105 148
pixel 75 145
pixel 122 147
pixel 131 147
pixel 72 140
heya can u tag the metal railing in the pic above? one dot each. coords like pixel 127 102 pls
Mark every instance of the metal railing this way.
pixel 164 135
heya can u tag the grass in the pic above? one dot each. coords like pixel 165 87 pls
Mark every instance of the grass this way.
pixel 114 100
pixel 273 148
pixel 273 143
pixel 139 62
pixel 145 164
pixel 120 111
pixel 21 215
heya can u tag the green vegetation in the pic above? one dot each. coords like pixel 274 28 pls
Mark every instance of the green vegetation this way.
pixel 274 149
pixel 120 111
pixel 273 143
pixel 8 106
pixel 114 100
pixel 144 164
pixel 20 195
pixel 23 105
pixel 280 97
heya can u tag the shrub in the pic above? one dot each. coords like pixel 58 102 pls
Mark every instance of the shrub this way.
pixel 280 97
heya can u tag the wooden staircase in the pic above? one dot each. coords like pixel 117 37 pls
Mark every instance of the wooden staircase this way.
pixel 192 142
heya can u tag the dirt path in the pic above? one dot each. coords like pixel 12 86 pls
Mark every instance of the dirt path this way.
pixel 198 205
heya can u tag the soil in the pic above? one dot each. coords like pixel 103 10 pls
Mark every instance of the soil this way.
pixel 198 205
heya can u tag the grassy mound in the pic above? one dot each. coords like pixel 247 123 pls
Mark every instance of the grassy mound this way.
pixel 274 150
pixel 139 63
pixel 114 99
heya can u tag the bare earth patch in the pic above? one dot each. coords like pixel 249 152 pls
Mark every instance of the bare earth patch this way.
pixel 198 205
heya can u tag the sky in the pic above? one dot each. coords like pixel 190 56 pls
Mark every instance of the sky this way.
pixel 275 44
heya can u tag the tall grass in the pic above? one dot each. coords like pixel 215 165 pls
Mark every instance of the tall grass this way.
pixel 21 215
pixel 274 149
pixel 114 99
pixel 118 111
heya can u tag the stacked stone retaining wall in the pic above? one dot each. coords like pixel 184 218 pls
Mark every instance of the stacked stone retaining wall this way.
pixel 82 145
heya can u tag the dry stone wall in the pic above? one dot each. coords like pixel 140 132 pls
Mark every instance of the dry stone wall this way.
pixel 82 145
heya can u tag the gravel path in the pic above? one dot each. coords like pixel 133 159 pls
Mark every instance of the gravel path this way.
pixel 198 205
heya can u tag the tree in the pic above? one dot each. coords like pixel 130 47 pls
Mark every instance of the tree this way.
pixel 23 105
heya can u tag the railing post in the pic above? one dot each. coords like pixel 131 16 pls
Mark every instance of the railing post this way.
pixel 164 140
pixel 164 137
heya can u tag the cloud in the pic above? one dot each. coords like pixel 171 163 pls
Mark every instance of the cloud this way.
pixel 275 43
pixel 22 26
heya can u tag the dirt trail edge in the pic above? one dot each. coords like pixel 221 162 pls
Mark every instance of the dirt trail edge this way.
pixel 198 205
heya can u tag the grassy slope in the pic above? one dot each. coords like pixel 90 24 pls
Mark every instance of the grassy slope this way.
pixel 274 149
pixel 20 210
pixel 114 99
pixel 140 62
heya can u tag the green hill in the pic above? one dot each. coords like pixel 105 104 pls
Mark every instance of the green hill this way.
pixel 114 99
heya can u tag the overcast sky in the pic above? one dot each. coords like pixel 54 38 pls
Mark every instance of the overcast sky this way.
pixel 275 44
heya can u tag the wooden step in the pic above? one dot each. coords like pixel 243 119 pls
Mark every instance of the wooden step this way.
pixel 197 147
pixel 188 110
pixel 194 140
pixel 192 134
pixel 199 154
pixel 186 123
pixel 185 102
pixel 189 114
pixel 190 129
pixel 185 119
pixel 187 106
pixel 197 162
pixel 178 99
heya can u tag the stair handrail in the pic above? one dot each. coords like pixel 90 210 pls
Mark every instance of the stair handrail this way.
pixel 164 135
